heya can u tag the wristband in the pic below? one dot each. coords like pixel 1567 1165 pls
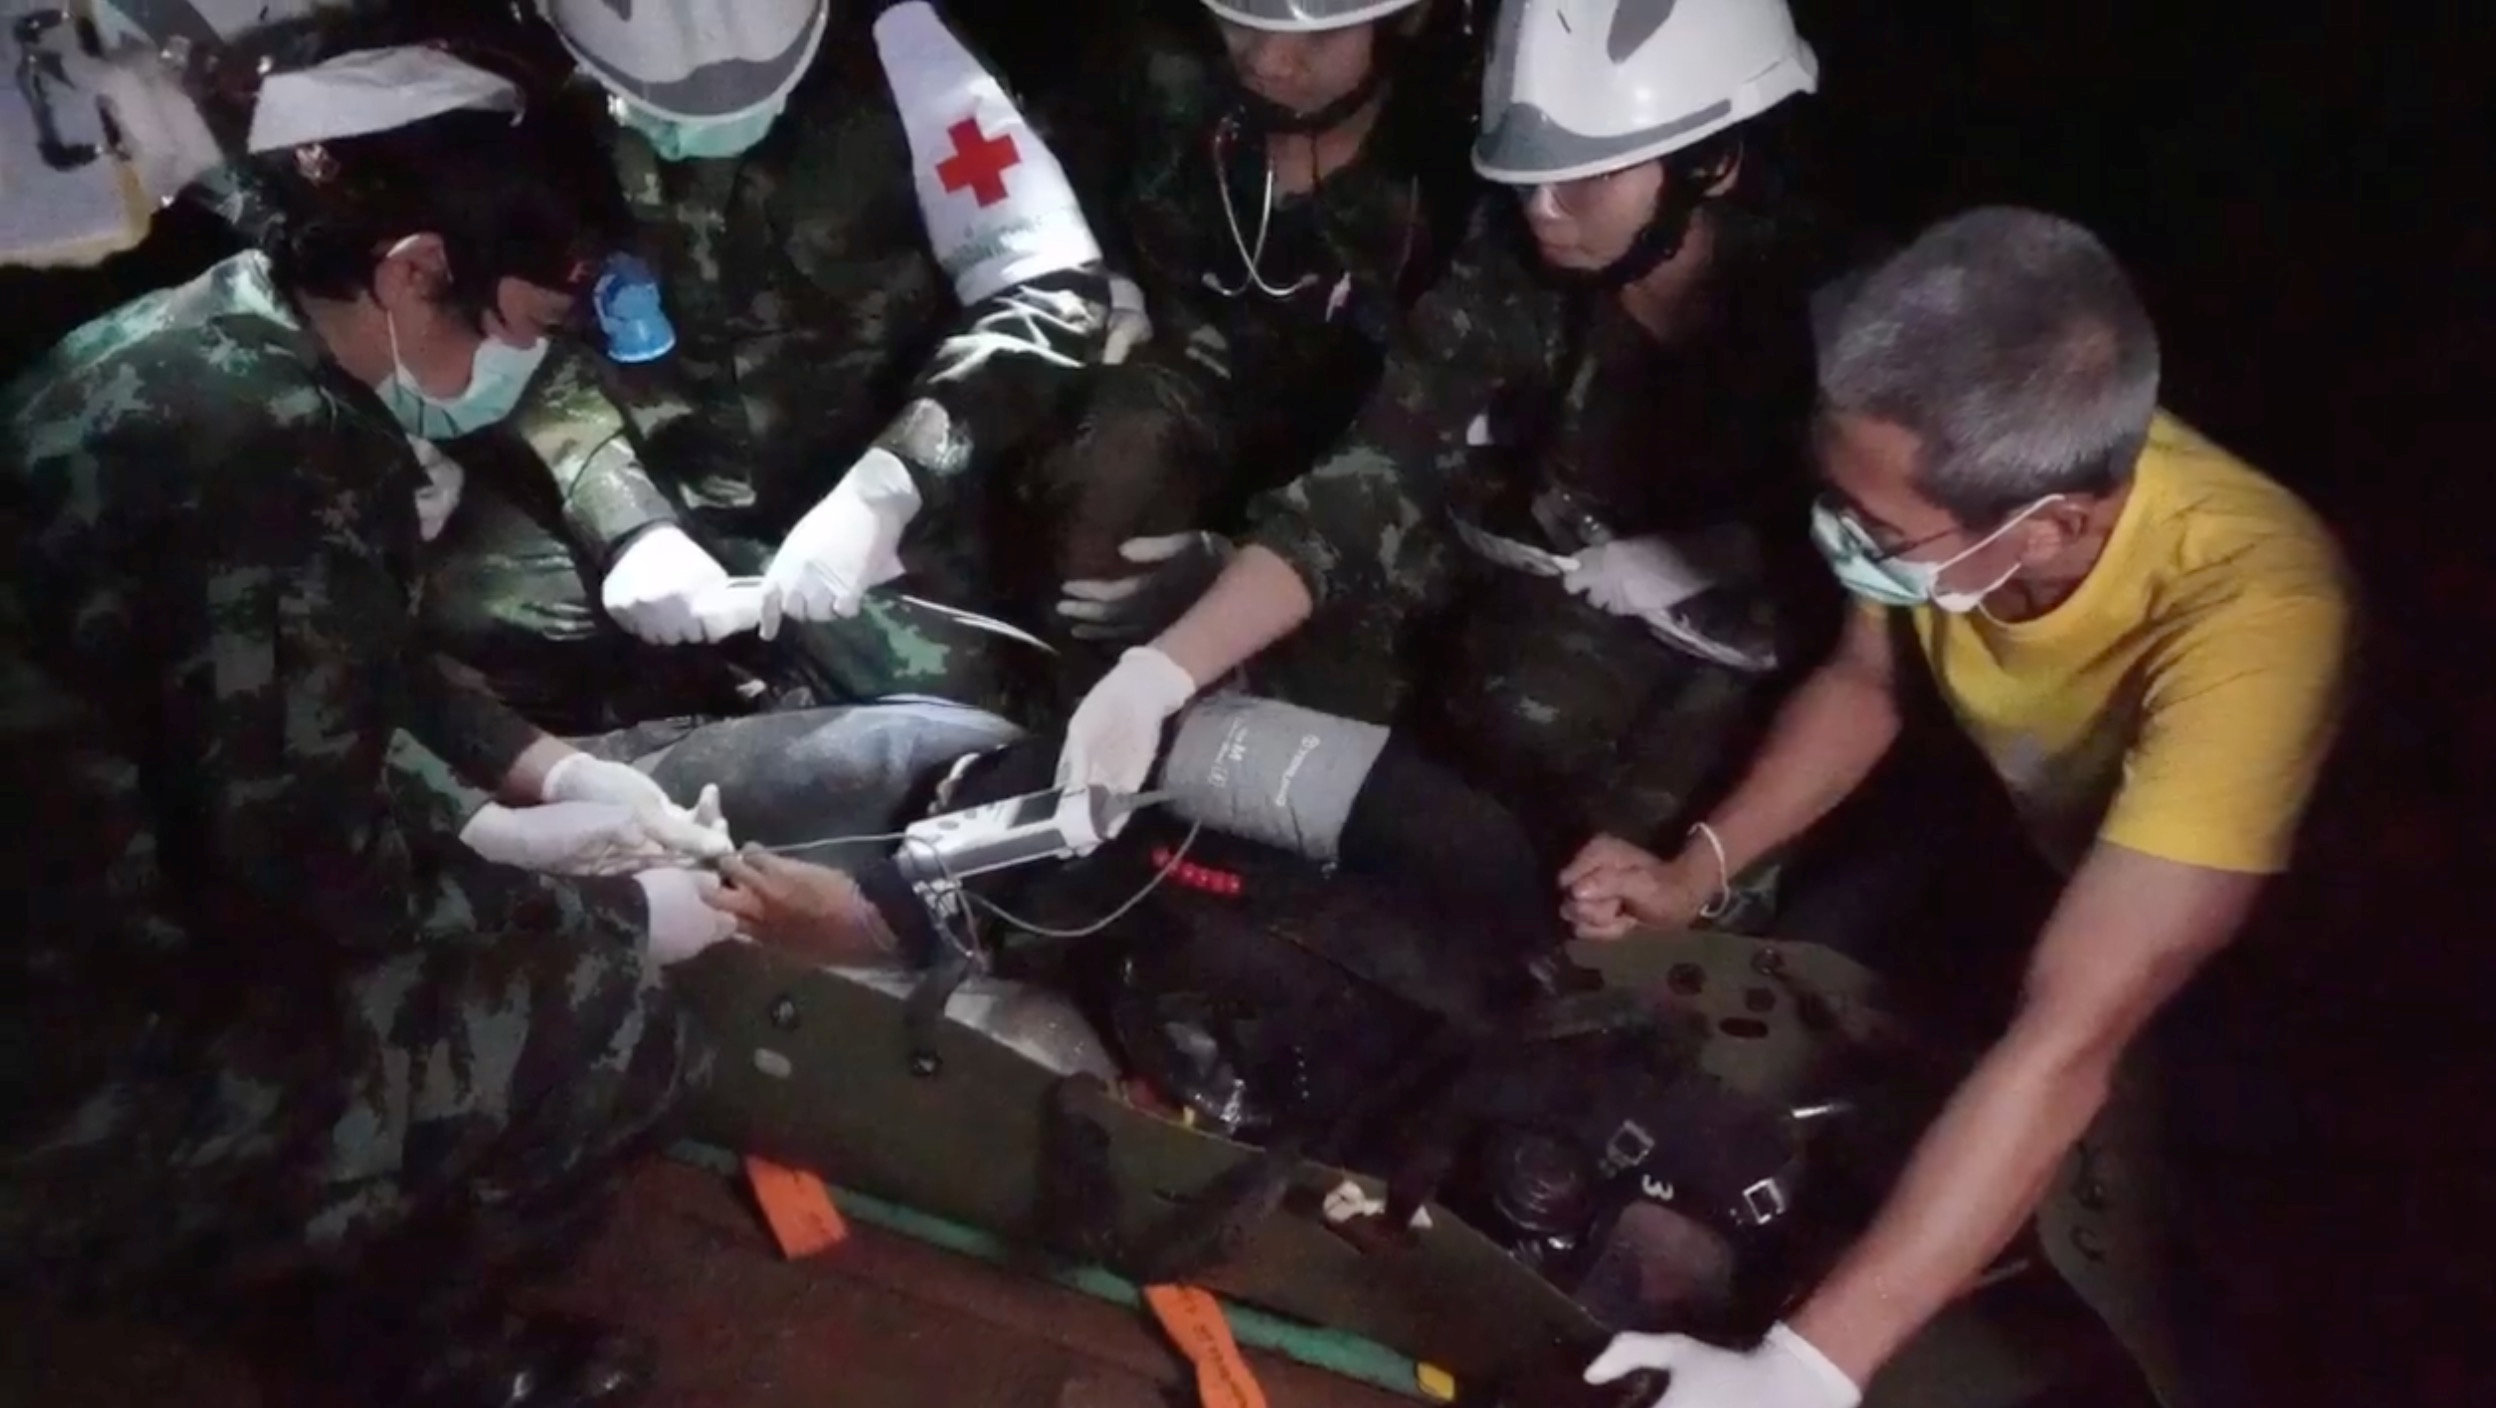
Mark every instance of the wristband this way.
pixel 1724 872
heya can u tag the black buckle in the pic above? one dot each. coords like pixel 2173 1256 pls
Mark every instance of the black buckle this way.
pixel 1761 1203
pixel 1628 1147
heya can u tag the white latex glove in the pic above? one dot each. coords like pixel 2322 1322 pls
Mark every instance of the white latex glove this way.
pixel 1640 577
pixel 844 545
pixel 652 589
pixel 1116 730
pixel 729 607
pixel 682 921
pixel 1178 568
pixel 1786 1371
pixel 694 834
pixel 564 838
pixel 1129 323
pixel 1688 589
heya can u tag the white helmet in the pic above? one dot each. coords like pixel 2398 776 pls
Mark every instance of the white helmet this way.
pixel 1581 87
pixel 1305 16
pixel 692 60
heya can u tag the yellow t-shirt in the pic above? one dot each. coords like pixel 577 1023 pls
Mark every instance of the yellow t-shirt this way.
pixel 2180 702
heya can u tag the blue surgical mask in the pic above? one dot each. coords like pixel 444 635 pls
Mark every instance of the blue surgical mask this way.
pixel 497 374
pixel 675 139
pixel 1863 569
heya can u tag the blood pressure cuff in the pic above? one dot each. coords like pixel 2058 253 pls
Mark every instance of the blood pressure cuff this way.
pixel 1283 781
pixel 1351 794
pixel 1263 770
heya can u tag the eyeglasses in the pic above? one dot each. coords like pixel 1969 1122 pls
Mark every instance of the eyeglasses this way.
pixel 1875 550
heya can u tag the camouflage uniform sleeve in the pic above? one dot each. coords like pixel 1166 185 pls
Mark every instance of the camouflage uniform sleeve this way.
pixel 1152 115
pixel 1086 117
pixel 1111 123
pixel 298 796
pixel 1007 369
pixel 1136 461
pixel 460 897
pixel 576 429
pixel 76 870
pixel 1150 421
pixel 428 794
pixel 452 714
pixel 1343 525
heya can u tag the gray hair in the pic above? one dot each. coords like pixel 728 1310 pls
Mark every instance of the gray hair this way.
pixel 2011 344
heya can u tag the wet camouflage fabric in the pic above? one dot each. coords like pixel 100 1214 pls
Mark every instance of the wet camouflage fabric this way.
pixel 814 323
pixel 1581 720
pixel 262 1006
pixel 1503 383
pixel 1238 391
pixel 1245 388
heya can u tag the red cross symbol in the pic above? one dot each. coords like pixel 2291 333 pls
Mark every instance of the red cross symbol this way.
pixel 978 163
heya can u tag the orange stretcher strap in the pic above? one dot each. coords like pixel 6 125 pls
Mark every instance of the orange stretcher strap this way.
pixel 1193 1320
pixel 797 1206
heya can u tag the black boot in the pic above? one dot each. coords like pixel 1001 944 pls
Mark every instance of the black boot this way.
pixel 425 1320
pixel 378 1351
pixel 522 1361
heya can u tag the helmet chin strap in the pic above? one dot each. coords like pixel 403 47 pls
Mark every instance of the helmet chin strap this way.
pixel 1689 182
pixel 1273 119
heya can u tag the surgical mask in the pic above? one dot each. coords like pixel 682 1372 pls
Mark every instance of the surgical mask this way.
pixel 497 373
pixel 675 139
pixel 1894 581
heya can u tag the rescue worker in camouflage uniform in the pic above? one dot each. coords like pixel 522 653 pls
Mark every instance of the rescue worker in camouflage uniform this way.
pixel 1279 204
pixel 880 288
pixel 292 1004
pixel 1611 429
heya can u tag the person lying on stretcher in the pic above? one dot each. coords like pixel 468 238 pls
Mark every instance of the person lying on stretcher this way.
pixel 820 800
pixel 1308 909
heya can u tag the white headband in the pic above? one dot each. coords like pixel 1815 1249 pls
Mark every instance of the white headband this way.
pixel 372 90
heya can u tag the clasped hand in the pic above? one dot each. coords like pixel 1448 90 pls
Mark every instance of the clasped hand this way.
pixel 1613 887
pixel 600 818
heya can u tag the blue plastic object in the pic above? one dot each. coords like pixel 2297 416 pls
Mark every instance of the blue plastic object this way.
pixel 626 298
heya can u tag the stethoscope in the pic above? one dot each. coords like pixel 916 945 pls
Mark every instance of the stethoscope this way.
pixel 1251 254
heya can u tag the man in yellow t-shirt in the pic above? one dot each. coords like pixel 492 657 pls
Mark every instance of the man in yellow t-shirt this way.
pixel 2144 637
pixel 2178 700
